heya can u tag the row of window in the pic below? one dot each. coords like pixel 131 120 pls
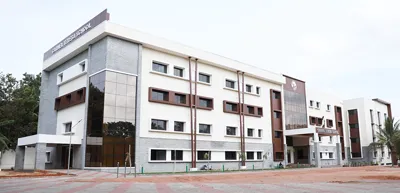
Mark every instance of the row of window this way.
pixel 379 117
pixel 233 107
pixel 318 105
pixel 328 154
pixel 203 77
pixel 161 155
pixel 318 121
pixel 179 126
pixel 382 154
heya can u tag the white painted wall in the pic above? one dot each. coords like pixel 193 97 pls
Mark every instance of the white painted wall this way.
pixel 8 159
pixel 72 114
pixel 217 118
pixel 324 99
pixel 72 85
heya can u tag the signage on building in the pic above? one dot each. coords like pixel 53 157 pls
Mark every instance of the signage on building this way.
pixel 103 16
pixel 326 131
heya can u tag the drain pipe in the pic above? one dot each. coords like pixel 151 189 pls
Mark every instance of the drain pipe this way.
pixel 243 127
pixel 191 113
pixel 195 112
pixel 240 117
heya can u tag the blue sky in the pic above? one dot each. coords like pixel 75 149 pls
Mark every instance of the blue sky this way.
pixel 344 47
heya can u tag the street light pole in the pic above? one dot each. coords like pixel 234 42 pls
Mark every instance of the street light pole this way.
pixel 69 149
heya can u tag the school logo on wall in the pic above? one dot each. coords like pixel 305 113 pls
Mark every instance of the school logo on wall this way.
pixel 294 85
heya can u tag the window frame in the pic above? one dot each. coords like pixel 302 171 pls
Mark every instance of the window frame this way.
pixel 258 90
pixel 232 153
pixel 250 153
pixel 202 157
pixel 230 82
pixel 181 71
pixel 157 150
pixel 252 132
pixel 259 133
pixel 183 126
pixel 159 64
pixel 230 127
pixel 202 124
pixel 206 75
pixel 154 97
pixel 70 127
pixel 165 124
pixel 247 88
pixel 176 158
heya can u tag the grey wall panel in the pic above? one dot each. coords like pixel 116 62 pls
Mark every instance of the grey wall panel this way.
pixel 122 55
pixel 98 56
pixel 48 92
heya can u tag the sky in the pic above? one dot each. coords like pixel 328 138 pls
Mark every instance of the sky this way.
pixel 348 48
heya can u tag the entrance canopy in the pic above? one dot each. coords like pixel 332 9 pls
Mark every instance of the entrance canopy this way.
pixel 49 139
pixel 309 132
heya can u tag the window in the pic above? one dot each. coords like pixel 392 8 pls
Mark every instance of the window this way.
pixel 67 127
pixel 379 118
pixel 159 95
pixel 204 155
pixel 329 123
pixel 317 104
pixel 178 72
pixel 159 67
pixel 354 126
pixel 204 78
pixel 48 157
pixel 355 140
pixel 178 126
pixel 313 120
pixel 375 153
pixel 230 155
pixel 258 90
pixel 230 130
pixel 383 154
pixel 259 155
pixel 277 134
pixel 158 124
pixel 372 115
pixel 203 102
pixel 250 109
pixel 330 139
pixel 203 128
pixel 385 116
pixel 389 154
pixel 260 133
pixel 180 98
pixel 319 139
pixel 276 95
pixel 330 155
pixel 83 66
pixel 311 103
pixel 328 107
pixel 320 154
pixel 356 154
pixel 279 155
pixel 319 121
pixel 248 88
pixel 230 84
pixel 277 115
pixel 250 155
pixel 69 97
pixel 250 132
pixel 259 111
pixel 176 155
pixel 80 94
pixel 352 112
pixel 157 155
pixel 60 77
pixel 231 106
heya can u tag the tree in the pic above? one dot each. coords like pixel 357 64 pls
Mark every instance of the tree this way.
pixel 388 136
pixel 19 106
pixel 3 139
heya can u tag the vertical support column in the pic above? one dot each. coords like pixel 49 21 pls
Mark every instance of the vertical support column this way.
pixel 339 154
pixel 40 156
pixel 19 158
pixel 285 151
pixel 310 157
pixel 317 151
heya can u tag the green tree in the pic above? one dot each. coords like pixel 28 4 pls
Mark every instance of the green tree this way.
pixel 388 136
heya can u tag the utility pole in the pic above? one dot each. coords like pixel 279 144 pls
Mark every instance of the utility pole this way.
pixel 69 149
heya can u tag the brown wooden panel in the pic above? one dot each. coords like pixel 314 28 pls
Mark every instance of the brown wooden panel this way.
pixel 354 133
pixel 277 126
pixel 355 148
pixel 70 99
pixel 258 111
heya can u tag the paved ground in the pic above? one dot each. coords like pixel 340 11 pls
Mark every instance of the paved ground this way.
pixel 362 179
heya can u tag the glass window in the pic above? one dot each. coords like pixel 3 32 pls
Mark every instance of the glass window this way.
pixel 277 134
pixel 159 67
pixel 331 155
pixel 277 115
pixel 248 88
pixel 203 102
pixel 320 155
pixel 260 133
pixel 353 112
pixel 250 132
pixel 250 155
pixel 159 95
pixel 375 153
pixel 355 140
pixel 180 98
pixel 60 77
pixel 259 155
pixel 204 78
pixel 319 120
pixel 176 155
pixel 203 128
pixel 230 155
pixel 311 103
pixel 178 71
pixel 250 109
pixel 158 124
pixel 231 106
pixel 258 90
pixel 48 157
pixel 230 130
pixel 330 139
pixel 317 103
pixel 260 111
pixel 203 155
pixel 178 126
pixel 354 126
pixel 230 83
pixel 279 155
pixel 67 127
pixel 158 155
pixel 277 95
